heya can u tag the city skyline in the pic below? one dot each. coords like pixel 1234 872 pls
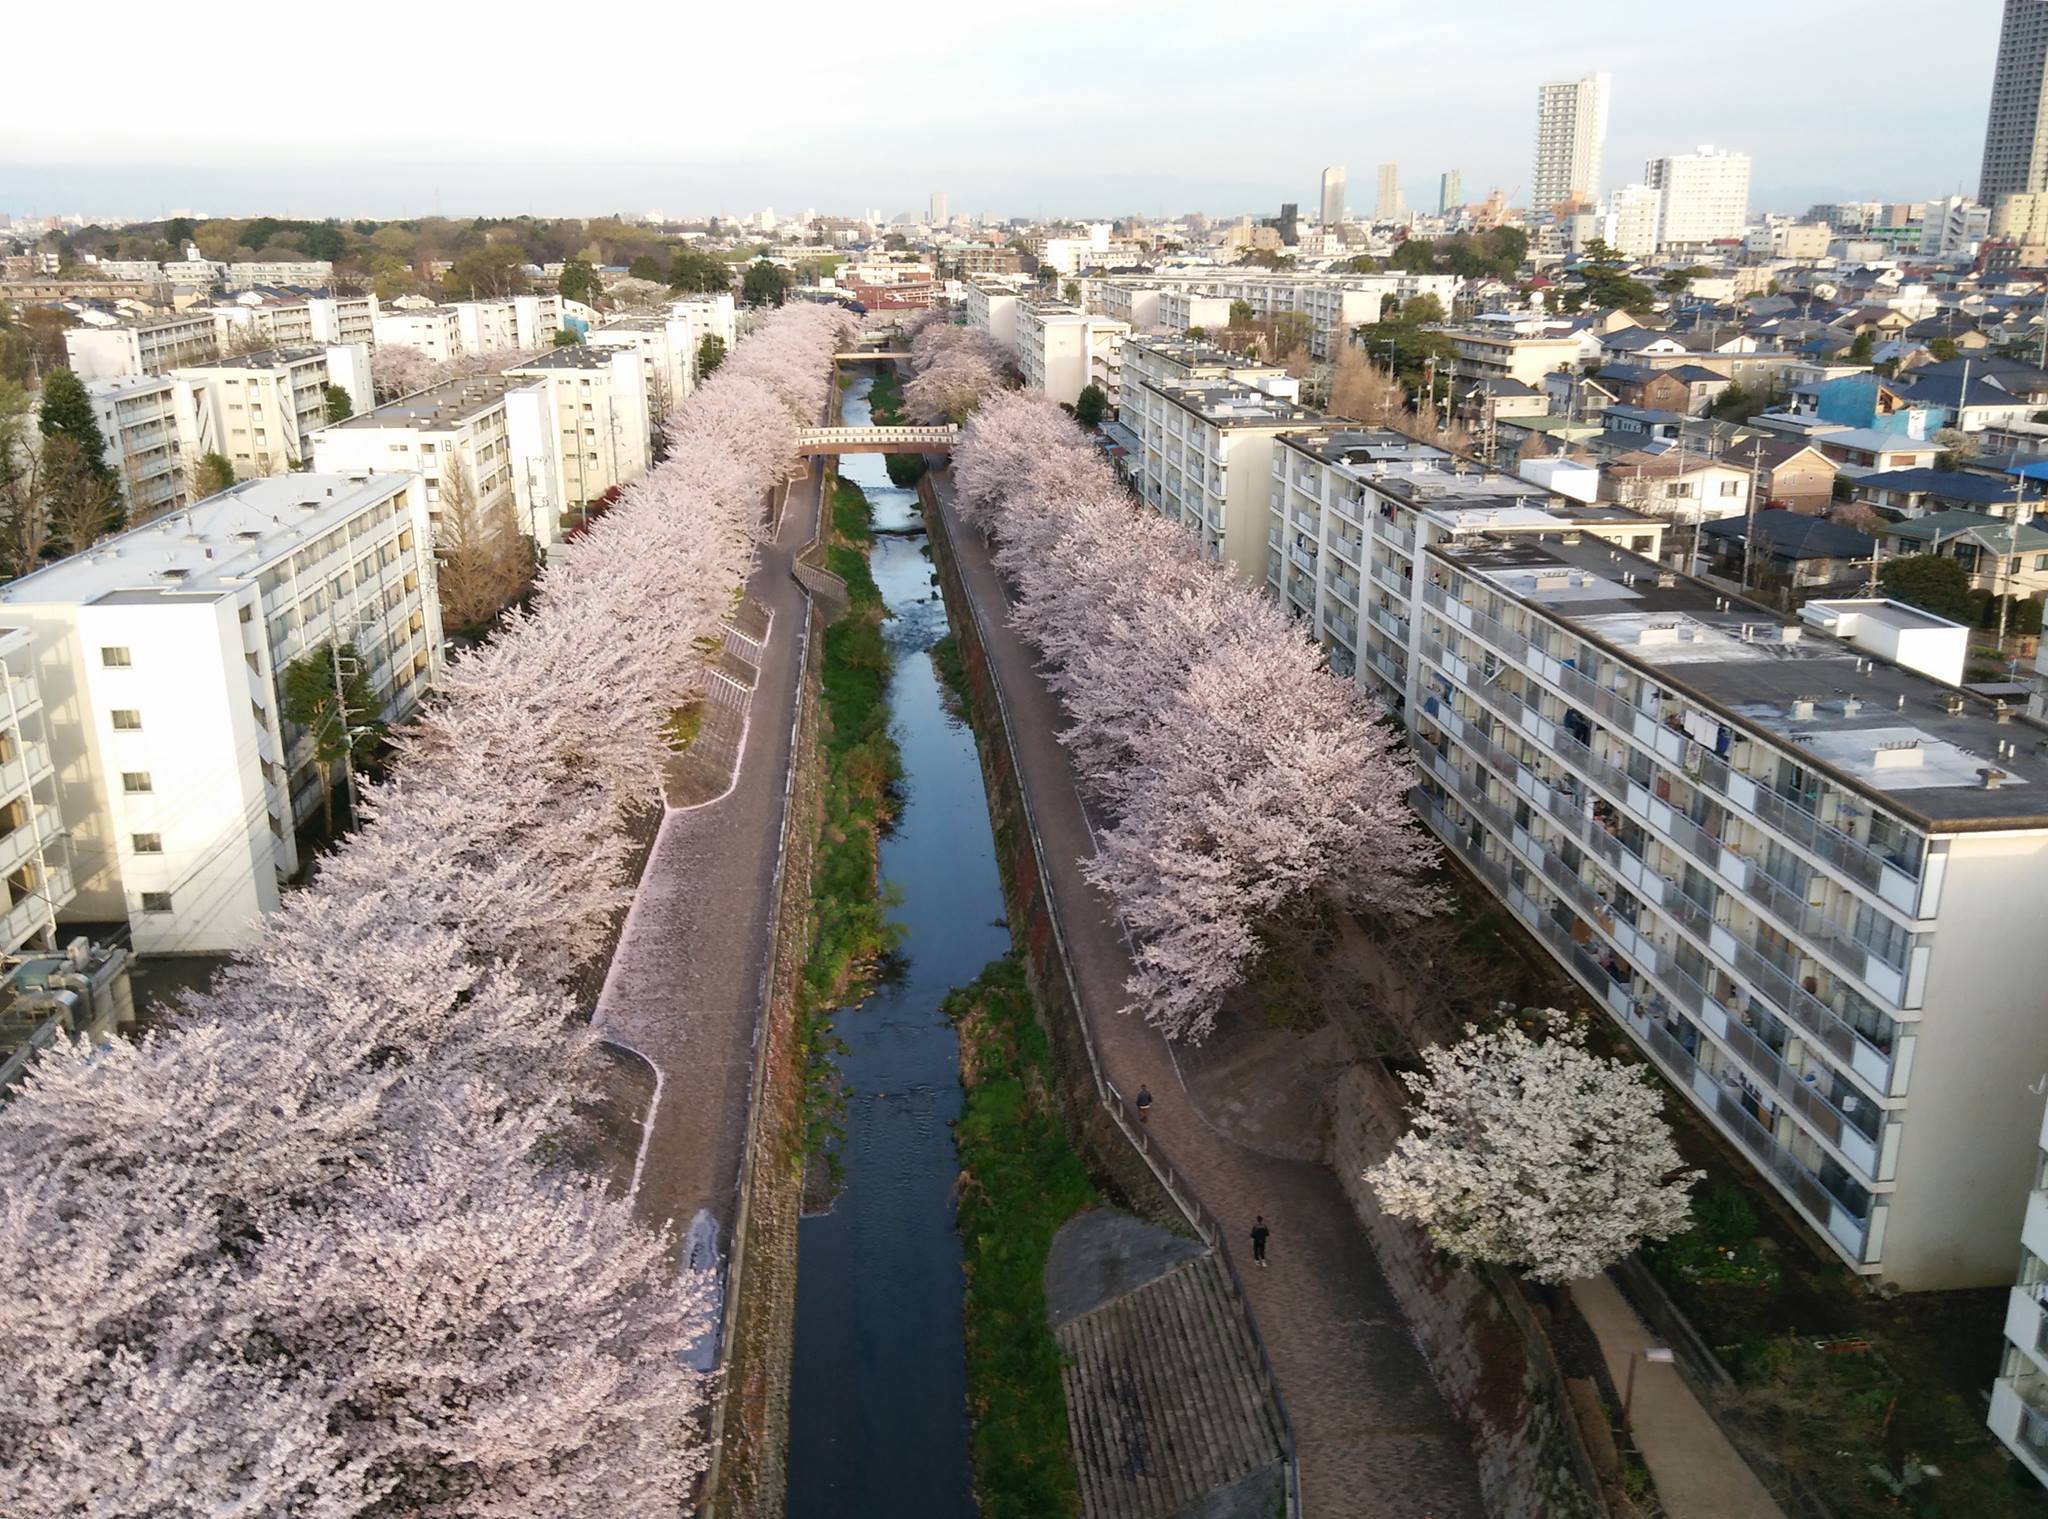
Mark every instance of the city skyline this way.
pixel 409 153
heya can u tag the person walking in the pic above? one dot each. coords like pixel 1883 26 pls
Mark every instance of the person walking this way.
pixel 1259 1234
pixel 1144 1103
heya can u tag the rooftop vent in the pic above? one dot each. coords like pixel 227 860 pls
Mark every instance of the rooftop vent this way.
pixel 2002 710
pixel 1789 634
pixel 1992 776
pixel 1952 704
pixel 1802 709
pixel 1666 579
pixel 1898 754
pixel 1851 706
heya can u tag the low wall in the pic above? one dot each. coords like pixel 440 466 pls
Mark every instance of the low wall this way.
pixel 1488 1354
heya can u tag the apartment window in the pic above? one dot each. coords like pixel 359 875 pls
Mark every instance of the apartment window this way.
pixel 115 659
pixel 2041 562
pixel 156 901
pixel 1731 487
pixel 146 843
pixel 134 782
pixel 127 720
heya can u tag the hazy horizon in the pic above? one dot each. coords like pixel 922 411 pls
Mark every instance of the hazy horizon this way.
pixel 1151 108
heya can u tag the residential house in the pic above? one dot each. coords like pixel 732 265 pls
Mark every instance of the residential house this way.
pixel 2004 557
pixel 1778 546
pixel 1909 493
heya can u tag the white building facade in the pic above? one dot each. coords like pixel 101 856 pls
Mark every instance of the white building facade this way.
pixel 162 653
pixel 260 410
pixel 153 346
pixel 1062 350
pixel 1571 140
pixel 1705 196
pixel 602 423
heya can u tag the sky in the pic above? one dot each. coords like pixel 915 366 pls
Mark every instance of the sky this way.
pixel 1133 106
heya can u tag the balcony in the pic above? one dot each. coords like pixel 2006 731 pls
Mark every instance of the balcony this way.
pixel 2019 1416
pixel 1347 546
pixel 1344 590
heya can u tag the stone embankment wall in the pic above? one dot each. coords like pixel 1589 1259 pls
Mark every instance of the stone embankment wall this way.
pixel 750 1429
pixel 1485 1347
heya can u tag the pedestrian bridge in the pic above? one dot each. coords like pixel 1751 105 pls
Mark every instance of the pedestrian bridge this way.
pixel 868 355
pixel 876 440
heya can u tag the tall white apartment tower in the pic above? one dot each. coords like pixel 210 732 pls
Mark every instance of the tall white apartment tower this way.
pixel 1333 197
pixel 1571 136
pixel 1388 207
pixel 1706 195
pixel 2015 145
pixel 939 216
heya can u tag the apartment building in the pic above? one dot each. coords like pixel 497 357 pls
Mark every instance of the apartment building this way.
pixel 1705 196
pixel 1181 361
pixel 1137 306
pixel 1350 509
pixel 709 316
pixel 2019 1398
pixel 1062 350
pixel 1769 850
pixel 279 320
pixel 1204 448
pixel 497 431
pixel 1183 311
pixel 153 345
pixel 1571 139
pixel 667 347
pixel 147 423
pixel 2016 128
pixel 260 410
pixel 435 331
pixel 1510 355
pixel 993 308
pixel 311 273
pixel 161 654
pixel 516 322
pixel 35 850
pixel 602 423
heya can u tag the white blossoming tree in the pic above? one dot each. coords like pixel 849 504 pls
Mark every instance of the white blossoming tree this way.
pixel 1535 1153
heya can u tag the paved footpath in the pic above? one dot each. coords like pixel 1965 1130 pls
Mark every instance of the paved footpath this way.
pixel 1374 1437
pixel 684 988
pixel 1697 1472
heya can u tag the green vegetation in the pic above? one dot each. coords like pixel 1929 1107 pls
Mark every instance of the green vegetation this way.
pixel 1721 1245
pixel 211 474
pixel 885 399
pixel 850 933
pixel 1092 405
pixel 326 694
pixel 952 670
pixel 905 470
pixel 1469 255
pixel 1265 258
pixel 681 725
pixel 579 282
pixel 1019 1181
pixel 491 271
pixel 567 337
pixel 340 404
pixel 710 354
pixel 691 270
pixel 1929 581
pixel 1408 339
pixel 766 284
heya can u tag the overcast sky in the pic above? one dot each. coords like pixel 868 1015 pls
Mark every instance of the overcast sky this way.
pixel 387 109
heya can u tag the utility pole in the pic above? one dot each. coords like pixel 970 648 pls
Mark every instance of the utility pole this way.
pixel 1749 513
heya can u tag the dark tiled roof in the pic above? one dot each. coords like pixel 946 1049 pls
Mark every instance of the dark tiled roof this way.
pixel 1795 535
pixel 1948 485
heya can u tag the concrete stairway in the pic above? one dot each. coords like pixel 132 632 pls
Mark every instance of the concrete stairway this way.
pixel 705 770
pixel 1164 1400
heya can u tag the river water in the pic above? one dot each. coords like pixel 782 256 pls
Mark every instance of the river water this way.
pixel 878 1418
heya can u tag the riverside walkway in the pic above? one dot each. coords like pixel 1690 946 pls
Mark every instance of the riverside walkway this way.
pixel 1374 1439
pixel 684 989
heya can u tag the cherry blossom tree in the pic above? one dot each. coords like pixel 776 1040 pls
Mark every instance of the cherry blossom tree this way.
pixel 314 1249
pixel 1535 1153
pixel 1239 775
pixel 949 388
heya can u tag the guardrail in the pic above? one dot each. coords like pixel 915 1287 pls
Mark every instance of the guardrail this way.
pixel 1120 1110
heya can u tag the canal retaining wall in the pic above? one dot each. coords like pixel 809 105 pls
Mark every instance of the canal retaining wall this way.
pixel 1488 1354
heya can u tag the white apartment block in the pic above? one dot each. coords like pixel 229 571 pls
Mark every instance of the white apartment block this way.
pixel 147 423
pixel 2019 1398
pixel 312 273
pixel 1528 357
pixel 709 315
pixel 1185 311
pixel 1571 138
pixel 516 322
pixel 1782 863
pixel 1137 306
pixel 156 345
pixel 993 308
pixel 667 347
pixel 602 424
pixel 497 431
pixel 260 410
pixel 1062 350
pixel 1180 361
pixel 1629 224
pixel 35 850
pixel 1204 448
pixel 1349 510
pixel 307 319
pixel 161 654
pixel 435 331
pixel 1705 196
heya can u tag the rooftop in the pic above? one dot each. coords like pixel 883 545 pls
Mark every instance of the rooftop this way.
pixel 1229 404
pixel 1910 743
pixel 211 548
pixel 262 358
pixel 1951 485
pixel 438 407
pixel 574 357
